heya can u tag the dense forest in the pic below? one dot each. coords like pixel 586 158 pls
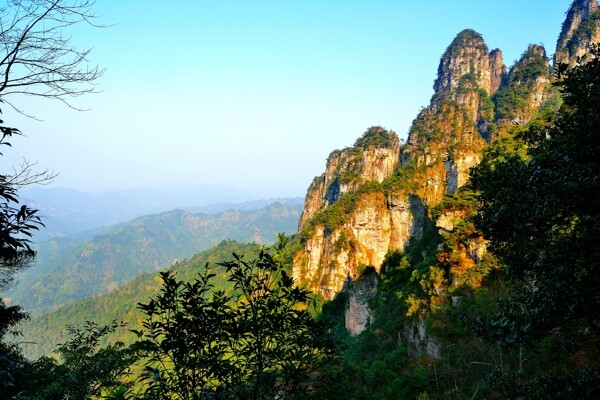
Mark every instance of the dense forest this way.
pixel 493 294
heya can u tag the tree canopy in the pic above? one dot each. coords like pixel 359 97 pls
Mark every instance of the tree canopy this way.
pixel 540 211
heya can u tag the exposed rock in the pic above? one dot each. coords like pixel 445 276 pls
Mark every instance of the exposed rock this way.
pixel 377 225
pixel 458 171
pixel 419 342
pixel 358 314
pixel 580 30
pixel 347 169
pixel 498 70
pixel 448 219
pixel 468 58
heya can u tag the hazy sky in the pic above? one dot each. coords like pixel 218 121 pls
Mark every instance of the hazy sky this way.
pixel 255 94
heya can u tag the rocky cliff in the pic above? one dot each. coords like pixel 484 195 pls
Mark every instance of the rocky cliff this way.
pixel 373 197
pixel 580 31
pixel 377 197
pixel 373 157
pixel 358 315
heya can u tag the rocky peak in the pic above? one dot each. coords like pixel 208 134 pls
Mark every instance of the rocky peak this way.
pixel 468 59
pixel 532 64
pixel 498 70
pixel 529 81
pixel 580 30
pixel 373 157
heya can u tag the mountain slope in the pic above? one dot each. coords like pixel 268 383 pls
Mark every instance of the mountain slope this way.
pixel 43 332
pixel 69 270
pixel 417 291
pixel 67 212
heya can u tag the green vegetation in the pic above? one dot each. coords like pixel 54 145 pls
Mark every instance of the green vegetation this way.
pixel 540 215
pixel 239 331
pixel 256 341
pixel 376 136
pixel 83 368
pixel 339 212
pixel 102 263
pixel 42 333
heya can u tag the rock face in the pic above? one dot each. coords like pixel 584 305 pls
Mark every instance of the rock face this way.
pixel 373 158
pixel 377 225
pixel 419 342
pixel 580 31
pixel 374 197
pixel 358 315
pixel 468 58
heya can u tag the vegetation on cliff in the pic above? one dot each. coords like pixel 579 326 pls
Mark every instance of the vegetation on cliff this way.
pixel 495 298
pixel 519 320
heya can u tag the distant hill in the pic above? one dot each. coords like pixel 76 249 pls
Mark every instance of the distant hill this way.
pixel 67 212
pixel 69 269
pixel 42 333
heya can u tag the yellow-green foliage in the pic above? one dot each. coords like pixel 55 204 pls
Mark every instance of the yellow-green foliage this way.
pixel 339 212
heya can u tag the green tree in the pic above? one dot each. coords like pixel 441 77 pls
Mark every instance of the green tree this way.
pixel 37 59
pixel 254 340
pixel 541 212
pixel 82 370
pixel 17 224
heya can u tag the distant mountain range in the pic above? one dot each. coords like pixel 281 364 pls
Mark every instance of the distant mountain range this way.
pixel 70 268
pixel 67 212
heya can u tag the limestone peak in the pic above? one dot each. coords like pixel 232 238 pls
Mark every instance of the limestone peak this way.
pixel 468 57
pixel 580 30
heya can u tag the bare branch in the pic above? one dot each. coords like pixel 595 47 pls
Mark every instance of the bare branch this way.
pixel 38 58
pixel 25 175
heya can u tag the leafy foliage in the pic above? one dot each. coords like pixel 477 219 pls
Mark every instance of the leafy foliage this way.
pixel 83 370
pixel 257 341
pixel 541 215
pixel 376 136
pixel 41 334
pixel 17 223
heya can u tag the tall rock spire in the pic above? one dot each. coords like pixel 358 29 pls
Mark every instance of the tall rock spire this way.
pixel 468 57
pixel 580 30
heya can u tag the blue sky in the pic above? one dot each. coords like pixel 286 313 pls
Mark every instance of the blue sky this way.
pixel 255 94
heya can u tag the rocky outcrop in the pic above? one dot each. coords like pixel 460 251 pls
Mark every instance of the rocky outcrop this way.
pixel 443 144
pixel 468 59
pixel 580 31
pixel 349 223
pixel 498 70
pixel 528 87
pixel 378 224
pixel 358 314
pixel 418 341
pixel 373 157
pixel 449 218
pixel 458 170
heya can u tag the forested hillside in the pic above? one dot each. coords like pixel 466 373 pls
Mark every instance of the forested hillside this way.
pixel 460 264
pixel 70 269
pixel 43 333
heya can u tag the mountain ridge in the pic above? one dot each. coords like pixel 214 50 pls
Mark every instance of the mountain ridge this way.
pixel 67 270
